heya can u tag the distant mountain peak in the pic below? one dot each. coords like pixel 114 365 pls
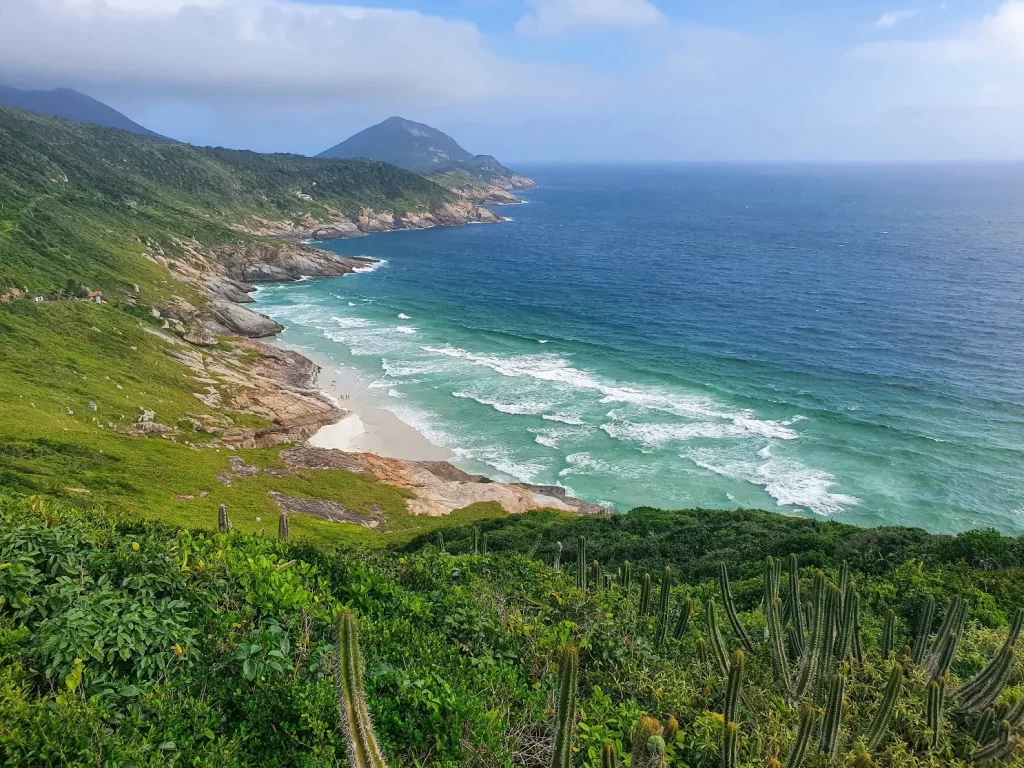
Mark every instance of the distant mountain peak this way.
pixel 70 104
pixel 419 148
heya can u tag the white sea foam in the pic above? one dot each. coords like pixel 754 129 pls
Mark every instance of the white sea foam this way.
pixel 371 267
pixel 501 459
pixel 552 437
pixel 583 464
pixel 403 316
pixel 350 322
pixel 351 303
pixel 408 329
pixel 564 418
pixel 395 393
pixel 524 408
pixel 789 482
pixel 655 436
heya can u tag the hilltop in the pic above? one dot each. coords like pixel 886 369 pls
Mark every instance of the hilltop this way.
pixel 71 105
pixel 422 149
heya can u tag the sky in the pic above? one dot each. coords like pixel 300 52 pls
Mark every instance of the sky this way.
pixel 549 80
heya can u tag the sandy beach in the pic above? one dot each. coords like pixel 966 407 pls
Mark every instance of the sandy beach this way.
pixel 369 427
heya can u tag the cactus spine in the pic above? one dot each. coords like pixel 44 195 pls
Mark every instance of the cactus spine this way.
pixel 282 527
pixel 581 563
pixel 223 522
pixel 936 703
pixel 804 731
pixel 565 711
pixel 685 614
pixel 889 635
pixel 730 608
pixel 924 628
pixel 627 575
pixel 663 608
pixel 363 749
pixel 609 759
pixel 883 717
pixel 833 715
pixel 715 638
pixel 645 596
pixel 557 562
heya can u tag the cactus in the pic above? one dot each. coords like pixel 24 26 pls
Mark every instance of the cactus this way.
pixel 282 527
pixel 812 646
pixel 663 608
pixel 936 703
pixel 703 652
pixel 557 562
pixel 858 647
pixel 733 687
pixel 607 582
pixel 1002 747
pixel 715 638
pixel 669 728
pixel 644 752
pixel 440 542
pixel 627 575
pixel 804 732
pixel 565 710
pixel 645 596
pixel 984 724
pixel 730 608
pixel 483 544
pixel 794 600
pixel 776 641
pixel 581 563
pixel 844 577
pixel 924 628
pixel 824 654
pixel 730 744
pixel 595 575
pixel 474 547
pixel 685 614
pixel 363 749
pixel 223 522
pixel 848 606
pixel 978 696
pixel 889 635
pixel 941 657
pixel 609 758
pixel 833 715
pixel 883 717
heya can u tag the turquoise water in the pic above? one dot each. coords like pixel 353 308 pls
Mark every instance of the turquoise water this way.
pixel 842 342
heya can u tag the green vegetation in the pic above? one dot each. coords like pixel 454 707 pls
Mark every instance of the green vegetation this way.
pixel 135 643
pixel 82 202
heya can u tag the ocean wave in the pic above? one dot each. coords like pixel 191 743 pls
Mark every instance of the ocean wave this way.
pixel 500 459
pixel 789 482
pixel 350 322
pixel 552 437
pixel 564 418
pixel 403 316
pixel 371 267
pixel 655 436
pixel 584 463
pixel 525 408
pixel 408 329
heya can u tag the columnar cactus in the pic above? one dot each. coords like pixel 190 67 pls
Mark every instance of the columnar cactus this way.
pixel 661 633
pixel 607 582
pixel 645 596
pixel 609 758
pixel 355 717
pixel 833 715
pixel 730 744
pixel 889 635
pixel 858 646
pixel 730 608
pixel 685 614
pixel 475 542
pixel 565 710
pixel 627 575
pixel 733 687
pixel 595 575
pixel 282 527
pixel 985 687
pixel 1002 747
pixel 804 734
pixel 883 717
pixel 483 543
pixel 795 602
pixel 557 562
pixel 703 653
pixel 815 640
pixel 943 651
pixel 715 638
pixel 581 562
pixel 773 624
pixel 983 725
pixel 924 628
pixel 936 703
pixel 440 542
pixel 847 622
pixel 223 522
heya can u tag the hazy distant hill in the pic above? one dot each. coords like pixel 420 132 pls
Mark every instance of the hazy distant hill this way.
pixel 422 149
pixel 71 105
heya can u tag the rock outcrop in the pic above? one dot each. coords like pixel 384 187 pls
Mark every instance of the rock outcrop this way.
pixel 233 320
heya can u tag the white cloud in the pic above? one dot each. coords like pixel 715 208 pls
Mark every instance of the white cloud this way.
pixel 270 52
pixel 891 19
pixel 553 16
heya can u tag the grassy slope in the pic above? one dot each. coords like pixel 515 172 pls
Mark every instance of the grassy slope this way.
pixel 77 198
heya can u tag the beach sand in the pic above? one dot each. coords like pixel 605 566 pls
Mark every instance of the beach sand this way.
pixel 369 427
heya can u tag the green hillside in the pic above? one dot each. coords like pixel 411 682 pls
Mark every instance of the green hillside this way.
pixel 77 201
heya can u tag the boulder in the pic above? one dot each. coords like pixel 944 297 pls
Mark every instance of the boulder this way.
pixel 241 321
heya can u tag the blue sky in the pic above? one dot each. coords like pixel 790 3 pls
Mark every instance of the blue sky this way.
pixel 549 80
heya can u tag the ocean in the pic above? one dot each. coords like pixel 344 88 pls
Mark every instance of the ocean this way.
pixel 838 342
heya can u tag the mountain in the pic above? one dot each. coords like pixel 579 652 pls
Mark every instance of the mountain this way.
pixel 422 149
pixel 71 105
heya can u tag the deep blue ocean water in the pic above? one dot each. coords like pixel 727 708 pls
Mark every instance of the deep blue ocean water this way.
pixel 826 341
